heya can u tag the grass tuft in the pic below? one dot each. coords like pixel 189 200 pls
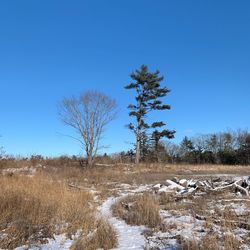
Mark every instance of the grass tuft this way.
pixel 104 237
pixel 139 210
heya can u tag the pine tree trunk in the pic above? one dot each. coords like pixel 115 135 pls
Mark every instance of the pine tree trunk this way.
pixel 138 143
pixel 138 150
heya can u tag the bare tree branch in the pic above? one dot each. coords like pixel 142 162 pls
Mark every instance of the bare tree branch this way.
pixel 88 115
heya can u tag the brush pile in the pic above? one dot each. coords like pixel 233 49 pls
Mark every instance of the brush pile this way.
pixel 237 185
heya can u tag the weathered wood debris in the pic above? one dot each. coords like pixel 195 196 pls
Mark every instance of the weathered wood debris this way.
pixel 238 185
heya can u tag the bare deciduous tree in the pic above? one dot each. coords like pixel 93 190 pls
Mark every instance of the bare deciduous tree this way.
pixel 88 114
pixel 173 150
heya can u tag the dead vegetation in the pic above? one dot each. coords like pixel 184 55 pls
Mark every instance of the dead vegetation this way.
pixel 217 212
pixel 32 209
pixel 211 242
pixel 55 199
pixel 208 213
pixel 139 210
pixel 103 237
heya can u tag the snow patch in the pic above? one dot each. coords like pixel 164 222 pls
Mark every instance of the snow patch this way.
pixel 59 242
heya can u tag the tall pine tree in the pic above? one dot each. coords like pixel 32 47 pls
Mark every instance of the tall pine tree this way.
pixel 148 98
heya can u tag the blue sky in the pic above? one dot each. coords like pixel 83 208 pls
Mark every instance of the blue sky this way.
pixel 53 49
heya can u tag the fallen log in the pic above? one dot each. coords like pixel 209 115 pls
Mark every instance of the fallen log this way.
pixel 244 190
pixel 174 185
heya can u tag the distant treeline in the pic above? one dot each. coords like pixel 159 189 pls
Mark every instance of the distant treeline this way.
pixel 230 147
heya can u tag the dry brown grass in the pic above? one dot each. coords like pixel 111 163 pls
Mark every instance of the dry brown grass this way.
pixel 70 169
pixel 14 163
pixel 168 201
pixel 189 244
pixel 211 242
pixel 33 208
pixel 89 177
pixel 231 242
pixel 139 210
pixel 153 173
pixel 192 168
pixel 29 206
pixel 104 237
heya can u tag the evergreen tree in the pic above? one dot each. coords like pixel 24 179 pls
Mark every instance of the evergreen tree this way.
pixel 144 147
pixel 187 150
pixel 157 135
pixel 187 145
pixel 244 151
pixel 148 94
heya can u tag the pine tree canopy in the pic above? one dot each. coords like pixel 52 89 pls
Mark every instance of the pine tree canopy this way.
pixel 157 124
pixel 148 98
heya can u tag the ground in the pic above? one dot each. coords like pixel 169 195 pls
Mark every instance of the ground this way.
pixel 122 206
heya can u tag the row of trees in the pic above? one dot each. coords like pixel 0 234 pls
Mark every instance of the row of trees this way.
pixel 231 147
pixel 1 152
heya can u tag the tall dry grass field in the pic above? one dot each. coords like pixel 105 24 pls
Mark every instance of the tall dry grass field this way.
pixel 33 208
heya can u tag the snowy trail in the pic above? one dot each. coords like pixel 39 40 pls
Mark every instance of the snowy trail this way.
pixel 129 237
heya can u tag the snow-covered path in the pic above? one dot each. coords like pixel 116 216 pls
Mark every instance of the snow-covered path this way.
pixel 129 237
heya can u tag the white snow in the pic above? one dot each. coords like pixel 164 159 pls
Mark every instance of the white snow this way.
pixel 185 225
pixel 165 189
pixel 157 185
pixel 183 181
pixel 174 185
pixel 27 170
pixel 129 237
pixel 60 242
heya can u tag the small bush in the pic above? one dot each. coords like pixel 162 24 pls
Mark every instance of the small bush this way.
pixel 104 237
pixel 139 210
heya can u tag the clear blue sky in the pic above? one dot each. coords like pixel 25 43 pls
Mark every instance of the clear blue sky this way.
pixel 50 49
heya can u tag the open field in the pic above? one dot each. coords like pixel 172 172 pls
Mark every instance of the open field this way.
pixel 63 206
